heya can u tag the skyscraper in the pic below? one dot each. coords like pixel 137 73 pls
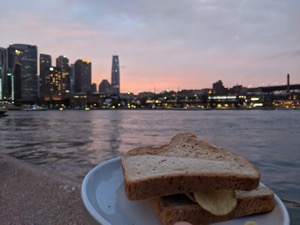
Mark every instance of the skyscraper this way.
pixel 45 64
pixel 115 75
pixel 62 62
pixel 22 82
pixel 72 78
pixel 52 88
pixel 83 76
pixel 2 70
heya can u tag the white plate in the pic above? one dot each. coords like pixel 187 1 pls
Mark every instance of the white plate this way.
pixel 105 201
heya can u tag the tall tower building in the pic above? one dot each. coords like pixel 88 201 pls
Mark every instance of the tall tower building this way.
pixel 83 76
pixel 2 70
pixel 45 64
pixel 62 62
pixel 22 81
pixel 72 77
pixel 115 75
pixel 288 84
pixel 52 88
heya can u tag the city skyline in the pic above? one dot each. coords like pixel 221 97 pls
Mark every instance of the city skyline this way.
pixel 116 71
pixel 184 45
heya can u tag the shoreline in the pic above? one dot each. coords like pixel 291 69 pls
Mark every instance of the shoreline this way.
pixel 30 194
pixel 166 109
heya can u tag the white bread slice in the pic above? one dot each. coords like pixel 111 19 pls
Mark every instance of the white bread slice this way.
pixel 185 165
pixel 171 209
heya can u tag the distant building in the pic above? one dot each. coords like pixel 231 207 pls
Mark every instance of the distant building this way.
pixel 22 82
pixel 2 70
pixel 62 62
pixel 115 75
pixel 288 83
pixel 72 78
pixel 52 90
pixel 219 89
pixel 94 87
pixel 45 64
pixel 83 76
pixel 105 87
pixel 238 89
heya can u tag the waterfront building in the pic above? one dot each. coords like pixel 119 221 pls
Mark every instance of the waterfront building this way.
pixel 83 76
pixel 45 64
pixel 115 75
pixel 62 62
pixel 2 70
pixel 94 87
pixel 219 89
pixel 72 78
pixel 288 84
pixel 105 87
pixel 238 89
pixel 22 79
pixel 52 89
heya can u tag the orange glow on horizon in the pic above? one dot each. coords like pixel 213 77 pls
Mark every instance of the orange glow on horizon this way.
pixel 137 84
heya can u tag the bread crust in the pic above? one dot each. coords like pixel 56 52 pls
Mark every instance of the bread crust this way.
pixel 156 171
pixel 172 209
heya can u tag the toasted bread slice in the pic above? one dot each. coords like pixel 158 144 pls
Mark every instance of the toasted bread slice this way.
pixel 185 165
pixel 171 209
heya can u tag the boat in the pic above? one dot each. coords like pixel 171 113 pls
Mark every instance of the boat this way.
pixel 35 108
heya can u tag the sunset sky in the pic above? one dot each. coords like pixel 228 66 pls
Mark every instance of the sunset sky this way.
pixel 164 45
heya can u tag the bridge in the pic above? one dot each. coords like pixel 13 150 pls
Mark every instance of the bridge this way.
pixel 269 89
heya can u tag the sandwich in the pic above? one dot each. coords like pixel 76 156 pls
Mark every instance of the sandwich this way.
pixel 194 181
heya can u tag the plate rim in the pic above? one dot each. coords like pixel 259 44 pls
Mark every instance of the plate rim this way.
pixel 84 196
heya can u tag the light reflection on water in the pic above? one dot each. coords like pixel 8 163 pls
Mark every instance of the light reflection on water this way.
pixel 73 142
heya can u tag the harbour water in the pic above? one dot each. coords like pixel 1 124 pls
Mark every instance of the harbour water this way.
pixel 73 142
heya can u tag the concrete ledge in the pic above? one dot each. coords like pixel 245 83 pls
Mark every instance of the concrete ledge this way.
pixel 30 194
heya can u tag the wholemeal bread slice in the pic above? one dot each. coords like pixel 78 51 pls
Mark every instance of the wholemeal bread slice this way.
pixel 171 209
pixel 185 165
